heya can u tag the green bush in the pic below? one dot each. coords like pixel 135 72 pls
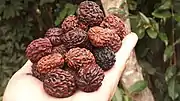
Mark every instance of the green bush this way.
pixel 21 21
pixel 156 22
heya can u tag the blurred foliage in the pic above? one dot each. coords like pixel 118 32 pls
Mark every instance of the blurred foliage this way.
pixel 157 25
pixel 156 22
pixel 21 21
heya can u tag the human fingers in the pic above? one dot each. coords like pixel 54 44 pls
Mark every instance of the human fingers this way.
pixel 112 76
pixel 27 88
pixel 26 69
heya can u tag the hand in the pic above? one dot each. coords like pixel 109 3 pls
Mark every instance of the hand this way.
pixel 24 87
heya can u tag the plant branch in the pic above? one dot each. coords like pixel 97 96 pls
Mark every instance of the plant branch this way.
pixel 174 60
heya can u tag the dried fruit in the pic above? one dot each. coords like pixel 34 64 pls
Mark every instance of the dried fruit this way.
pixel 59 49
pixel 70 57
pixel 59 83
pixel 49 62
pixel 101 37
pixel 88 45
pixel 36 74
pixel 38 48
pixel 90 78
pixel 90 13
pixel 82 25
pixel 72 22
pixel 114 23
pixel 75 38
pixel 71 71
pixel 77 58
pixel 54 35
pixel 105 57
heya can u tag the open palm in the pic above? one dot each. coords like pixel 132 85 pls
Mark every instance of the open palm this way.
pixel 25 87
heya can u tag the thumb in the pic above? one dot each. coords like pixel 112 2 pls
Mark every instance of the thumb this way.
pixel 113 75
pixel 25 69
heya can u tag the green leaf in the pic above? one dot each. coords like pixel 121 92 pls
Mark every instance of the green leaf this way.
pixel 170 72
pixel 12 10
pixel 126 98
pixel 61 16
pixel 177 17
pixel 177 88
pixel 168 52
pixel 57 22
pixel 46 1
pixel 134 19
pixel 172 89
pixel 166 5
pixel 71 8
pixel 8 12
pixel 147 67
pixel 137 87
pixel 132 5
pixel 152 33
pixel 17 46
pixel 163 37
pixel 176 6
pixel 118 96
pixel 140 33
pixel 154 24
pixel 161 13
pixel 144 18
pixel 5 29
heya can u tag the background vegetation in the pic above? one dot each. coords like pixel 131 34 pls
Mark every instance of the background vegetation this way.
pixel 156 22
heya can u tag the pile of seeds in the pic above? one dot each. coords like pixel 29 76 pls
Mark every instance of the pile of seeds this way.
pixel 76 55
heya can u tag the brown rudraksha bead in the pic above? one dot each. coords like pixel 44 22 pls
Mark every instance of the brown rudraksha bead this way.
pixel 59 83
pixel 49 62
pixel 115 23
pixel 77 58
pixel 90 78
pixel 101 37
pixel 90 13
pixel 38 48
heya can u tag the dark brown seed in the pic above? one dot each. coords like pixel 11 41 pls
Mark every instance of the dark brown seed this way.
pixel 102 37
pixel 90 13
pixel 115 23
pixel 75 38
pixel 105 57
pixel 59 83
pixel 90 78
pixel 59 49
pixel 38 48
pixel 77 58
pixel 49 62
pixel 35 73
pixel 72 22
pixel 54 35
